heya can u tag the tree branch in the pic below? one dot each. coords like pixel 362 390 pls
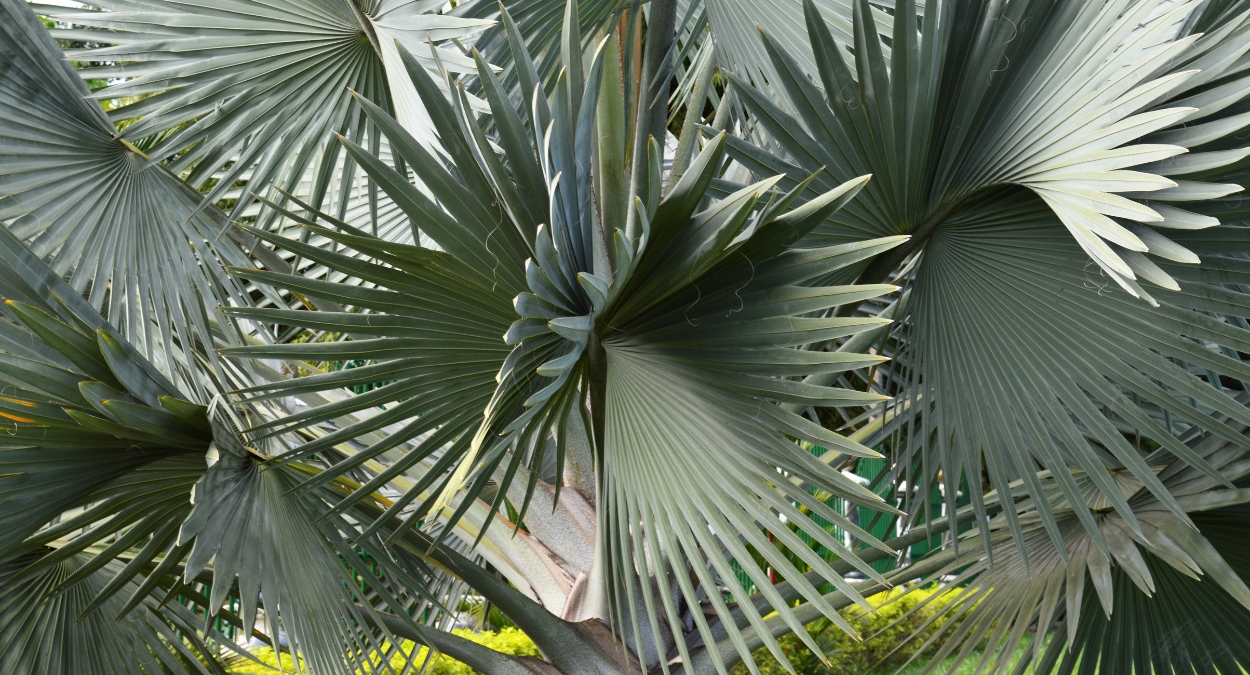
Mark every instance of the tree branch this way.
pixel 547 630
pixel 366 26
pixel 478 657
pixel 585 648
pixel 598 396
pixel 530 616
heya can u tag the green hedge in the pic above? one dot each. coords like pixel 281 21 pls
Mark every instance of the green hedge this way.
pixel 882 649
pixel 508 640
pixel 884 633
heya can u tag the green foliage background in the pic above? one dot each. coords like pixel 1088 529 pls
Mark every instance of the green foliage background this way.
pixel 506 640
pixel 883 650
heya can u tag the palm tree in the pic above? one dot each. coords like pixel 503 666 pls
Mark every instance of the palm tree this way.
pixel 479 330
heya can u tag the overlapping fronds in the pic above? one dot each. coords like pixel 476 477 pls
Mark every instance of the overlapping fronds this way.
pixel 99 456
pixel 700 337
pixel 1183 625
pixel 736 28
pixel 676 347
pixel 268 548
pixel 103 463
pixel 229 88
pixel 48 625
pixel 1027 340
pixel 125 231
pixel 85 411
pixel 1136 601
pixel 475 290
pixel 538 24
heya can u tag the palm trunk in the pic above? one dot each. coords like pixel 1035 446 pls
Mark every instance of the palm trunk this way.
pixel 588 646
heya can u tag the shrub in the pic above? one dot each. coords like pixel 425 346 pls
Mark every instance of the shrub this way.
pixel 883 632
pixel 884 647
pixel 507 640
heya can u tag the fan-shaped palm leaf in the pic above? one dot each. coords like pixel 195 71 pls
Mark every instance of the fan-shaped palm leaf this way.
pixel 997 382
pixel 1182 626
pixel 538 24
pixel 257 88
pixel 1133 585
pixel 736 27
pixel 103 461
pixel 43 630
pixel 124 230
